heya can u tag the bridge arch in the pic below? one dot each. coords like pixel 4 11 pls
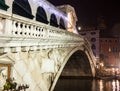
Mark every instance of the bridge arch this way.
pixel 66 59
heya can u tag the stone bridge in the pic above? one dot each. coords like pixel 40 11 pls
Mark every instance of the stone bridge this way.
pixel 37 40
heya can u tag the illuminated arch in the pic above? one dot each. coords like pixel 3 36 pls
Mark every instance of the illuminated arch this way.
pixel 41 15
pixel 22 8
pixel 62 24
pixel 53 20
pixel 87 56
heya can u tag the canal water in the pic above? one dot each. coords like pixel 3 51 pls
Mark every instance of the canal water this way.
pixel 87 85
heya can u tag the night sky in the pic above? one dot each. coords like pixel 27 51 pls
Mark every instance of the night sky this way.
pixel 87 11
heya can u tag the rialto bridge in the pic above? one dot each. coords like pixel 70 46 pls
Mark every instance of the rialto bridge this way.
pixel 37 40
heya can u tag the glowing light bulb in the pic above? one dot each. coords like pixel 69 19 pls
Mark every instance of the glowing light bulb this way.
pixel 79 28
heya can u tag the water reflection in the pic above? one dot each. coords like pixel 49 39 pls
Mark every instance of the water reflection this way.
pixel 87 85
pixel 101 85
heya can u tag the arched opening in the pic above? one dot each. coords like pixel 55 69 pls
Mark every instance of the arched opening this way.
pixel 41 15
pixel 3 5
pixel 93 39
pixel 62 24
pixel 53 20
pixel 93 46
pixel 77 66
pixel 22 8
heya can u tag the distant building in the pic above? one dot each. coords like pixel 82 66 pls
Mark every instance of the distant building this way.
pixel 93 37
pixel 106 49
pixel 110 51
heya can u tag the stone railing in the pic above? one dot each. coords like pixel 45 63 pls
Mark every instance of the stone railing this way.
pixel 17 31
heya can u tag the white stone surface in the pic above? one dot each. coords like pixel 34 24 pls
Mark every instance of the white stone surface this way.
pixel 47 66
pixel 34 62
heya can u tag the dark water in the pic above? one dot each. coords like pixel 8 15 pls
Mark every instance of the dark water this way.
pixel 87 85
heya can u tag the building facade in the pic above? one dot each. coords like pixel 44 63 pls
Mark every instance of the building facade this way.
pixel 93 37
pixel 105 49
pixel 110 51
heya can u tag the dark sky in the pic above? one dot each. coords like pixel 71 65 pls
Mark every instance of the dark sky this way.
pixel 87 11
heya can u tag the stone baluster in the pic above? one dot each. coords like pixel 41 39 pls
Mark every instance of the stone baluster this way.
pixel 42 32
pixel 31 30
pixel 23 29
pixel 45 32
pixel 27 30
pixel 19 28
pixel 34 30
pixel 14 28
pixel 37 31
pixel 49 33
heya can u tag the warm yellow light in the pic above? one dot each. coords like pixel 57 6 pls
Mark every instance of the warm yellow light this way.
pixel 102 64
pixel 79 28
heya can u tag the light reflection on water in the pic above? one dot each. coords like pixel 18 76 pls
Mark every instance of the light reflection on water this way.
pixel 87 85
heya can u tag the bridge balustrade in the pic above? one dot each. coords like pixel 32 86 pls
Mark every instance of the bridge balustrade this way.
pixel 17 28
pixel 35 47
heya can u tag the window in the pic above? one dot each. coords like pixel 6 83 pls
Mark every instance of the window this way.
pixel 93 39
pixel 93 33
pixel 93 46
pixel 83 34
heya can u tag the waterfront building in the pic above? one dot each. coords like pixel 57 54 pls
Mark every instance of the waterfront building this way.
pixel 110 51
pixel 92 36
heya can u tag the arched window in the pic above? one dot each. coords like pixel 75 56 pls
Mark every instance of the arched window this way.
pixel 3 5
pixel 93 39
pixel 62 24
pixel 93 46
pixel 53 20
pixel 83 34
pixel 41 15
pixel 22 8
pixel 93 33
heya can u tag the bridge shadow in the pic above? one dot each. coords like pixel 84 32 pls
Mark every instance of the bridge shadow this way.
pixel 77 66
pixel 76 73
